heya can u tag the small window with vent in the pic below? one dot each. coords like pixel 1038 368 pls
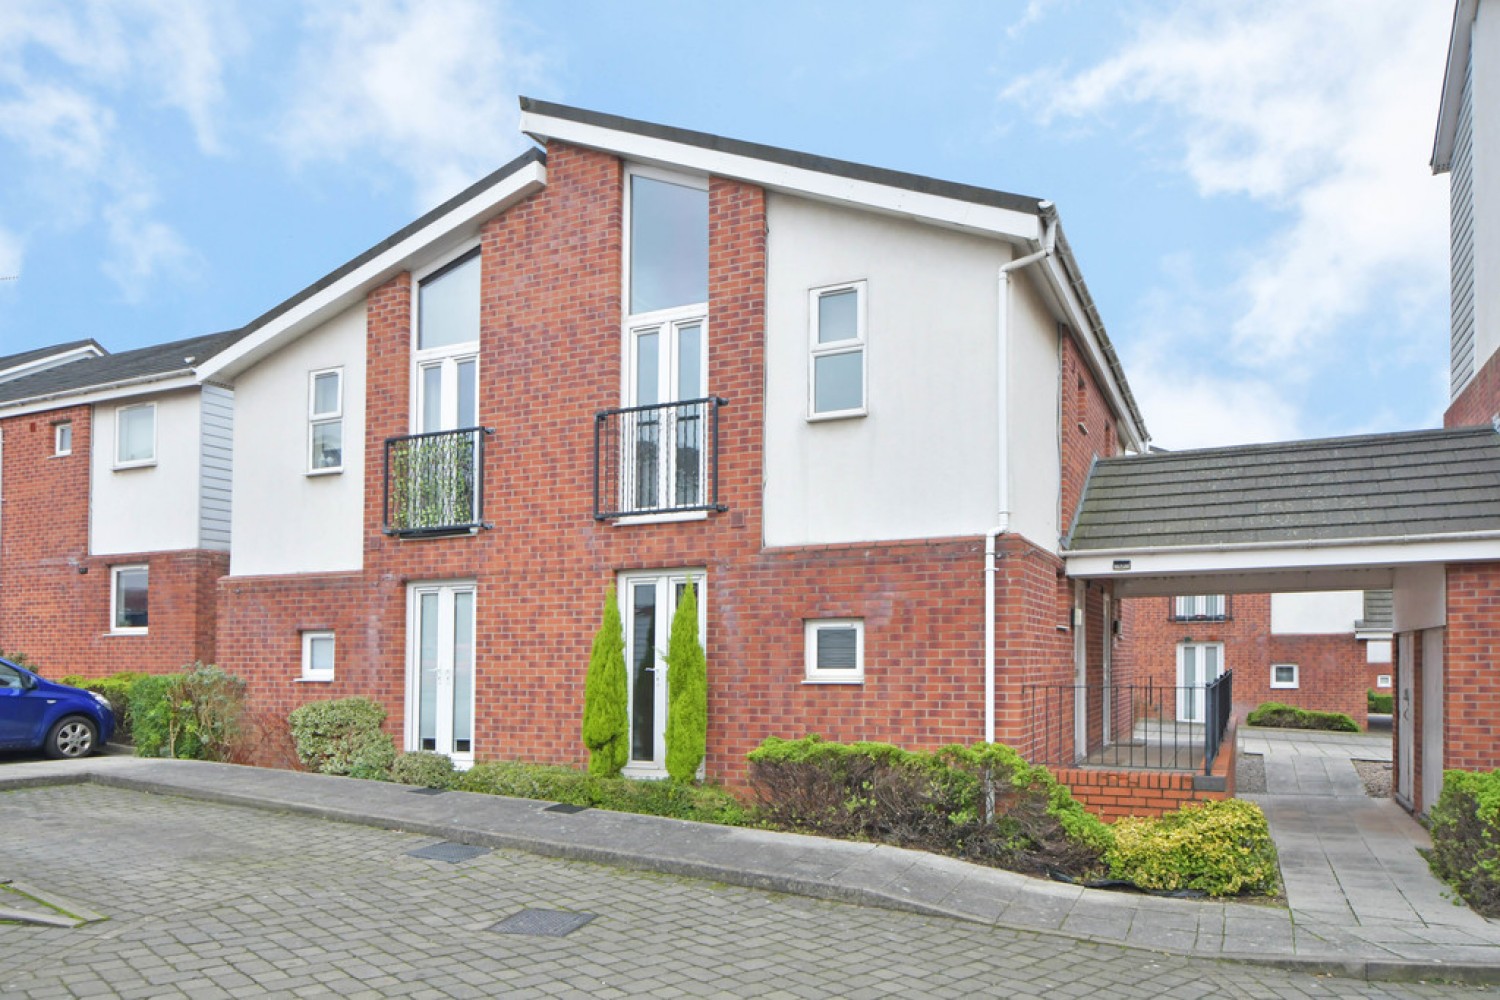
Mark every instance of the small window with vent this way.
pixel 836 651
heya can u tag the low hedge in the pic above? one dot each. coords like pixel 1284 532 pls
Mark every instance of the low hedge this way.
pixel 1465 828
pixel 702 803
pixel 424 768
pixel 194 714
pixel 1379 704
pixel 1274 714
pixel 1219 848
pixel 343 736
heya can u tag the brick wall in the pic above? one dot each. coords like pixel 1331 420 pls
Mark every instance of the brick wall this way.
pixel 1471 668
pixel 1111 794
pixel 1480 400
pixel 1088 427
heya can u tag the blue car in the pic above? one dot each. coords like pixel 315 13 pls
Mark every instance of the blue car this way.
pixel 61 721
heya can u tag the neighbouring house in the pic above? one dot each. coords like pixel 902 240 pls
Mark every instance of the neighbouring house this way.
pixel 854 408
pixel 1321 650
pixel 115 520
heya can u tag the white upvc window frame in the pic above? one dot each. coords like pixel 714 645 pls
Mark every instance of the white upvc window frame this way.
pixel 446 592
pixel 448 357
pixel 1286 685
pixel 135 463
pixel 61 430
pixel 696 181
pixel 816 674
pixel 316 419
pixel 1185 607
pixel 665 582
pixel 115 628
pixel 310 637
pixel 859 343
pixel 1382 680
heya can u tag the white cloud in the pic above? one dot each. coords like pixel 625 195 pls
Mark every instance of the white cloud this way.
pixel 1188 407
pixel 427 85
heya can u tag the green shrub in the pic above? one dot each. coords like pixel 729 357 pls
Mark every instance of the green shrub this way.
pixel 687 692
pixel 1379 704
pixel 191 715
pixel 1276 715
pixel 606 723
pixel 343 736
pixel 1465 828
pixel 1220 848
pixel 424 768
pixel 22 660
pixel 701 803
pixel 115 687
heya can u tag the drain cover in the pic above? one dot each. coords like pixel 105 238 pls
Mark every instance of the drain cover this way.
pixel 563 807
pixel 448 851
pixel 542 923
pixel 428 791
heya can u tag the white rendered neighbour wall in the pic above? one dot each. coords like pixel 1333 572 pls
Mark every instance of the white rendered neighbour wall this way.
pixel 1035 446
pixel 154 507
pixel 1316 612
pixel 286 521
pixel 922 463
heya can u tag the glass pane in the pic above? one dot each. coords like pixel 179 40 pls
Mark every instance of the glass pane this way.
pixel 130 598
pixel 328 445
pixel 643 672
pixel 668 245
pixel 838 316
pixel 64 438
pixel 449 309
pixel 325 394
pixel 463 671
pixel 1213 606
pixel 647 368
pixel 468 394
pixel 137 434
pixel 427 670
pixel 1210 663
pixel 432 399
pixel 690 361
pixel 688 455
pixel 320 654
pixel 837 648
pixel 838 382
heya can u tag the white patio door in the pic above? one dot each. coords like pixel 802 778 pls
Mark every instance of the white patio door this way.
pixel 440 670
pixel 667 364
pixel 1198 665
pixel 649 601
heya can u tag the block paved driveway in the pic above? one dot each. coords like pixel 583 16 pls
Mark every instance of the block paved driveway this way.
pixel 209 901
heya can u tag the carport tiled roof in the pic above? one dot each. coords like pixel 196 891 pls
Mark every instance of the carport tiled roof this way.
pixel 158 360
pixel 1419 483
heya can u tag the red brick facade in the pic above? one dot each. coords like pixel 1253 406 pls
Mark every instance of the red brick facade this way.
pixel 1480 400
pixel 1471 668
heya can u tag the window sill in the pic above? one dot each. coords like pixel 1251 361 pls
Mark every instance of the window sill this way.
pixel 127 466
pixel 314 473
pixel 61 454
pixel 833 680
pixel 686 515
pixel 312 680
pixel 822 418
pixel 128 631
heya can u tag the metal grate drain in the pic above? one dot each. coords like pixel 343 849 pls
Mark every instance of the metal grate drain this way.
pixel 428 791
pixel 448 851
pixel 542 923
pixel 563 807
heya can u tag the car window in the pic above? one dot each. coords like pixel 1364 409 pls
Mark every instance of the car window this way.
pixel 10 677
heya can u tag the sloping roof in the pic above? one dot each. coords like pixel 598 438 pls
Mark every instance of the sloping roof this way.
pixel 1413 484
pixel 157 361
pixel 1379 612
pixel 9 361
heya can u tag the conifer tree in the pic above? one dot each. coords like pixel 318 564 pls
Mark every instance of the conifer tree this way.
pixel 687 692
pixel 606 724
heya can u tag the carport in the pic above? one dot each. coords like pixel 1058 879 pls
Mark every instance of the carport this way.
pixel 1417 513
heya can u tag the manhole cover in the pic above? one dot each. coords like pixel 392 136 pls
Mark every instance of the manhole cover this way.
pixel 448 851
pixel 428 791
pixel 542 923
pixel 563 807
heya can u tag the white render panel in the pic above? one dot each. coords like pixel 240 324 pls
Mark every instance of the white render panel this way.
pixel 1033 386
pixel 151 508
pixel 215 469
pixel 922 463
pixel 1419 598
pixel 1316 612
pixel 1485 84
pixel 286 521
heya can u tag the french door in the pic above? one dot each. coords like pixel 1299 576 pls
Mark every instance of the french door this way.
pixel 1198 665
pixel 649 601
pixel 667 364
pixel 440 669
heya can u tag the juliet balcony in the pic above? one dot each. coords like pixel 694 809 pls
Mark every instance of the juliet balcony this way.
pixel 434 483
pixel 657 459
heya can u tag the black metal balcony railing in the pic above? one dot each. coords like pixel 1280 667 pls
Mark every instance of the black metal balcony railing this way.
pixel 657 459
pixel 434 483
pixel 1151 726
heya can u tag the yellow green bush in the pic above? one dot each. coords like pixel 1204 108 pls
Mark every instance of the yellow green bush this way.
pixel 1219 848
pixel 1466 838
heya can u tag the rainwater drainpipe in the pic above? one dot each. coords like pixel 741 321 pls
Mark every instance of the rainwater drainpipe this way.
pixel 1002 351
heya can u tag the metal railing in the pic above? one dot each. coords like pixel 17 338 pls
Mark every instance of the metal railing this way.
pixel 434 483
pixel 657 459
pixel 1153 727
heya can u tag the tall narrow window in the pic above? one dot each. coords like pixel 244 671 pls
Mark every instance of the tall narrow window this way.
pixel 128 599
pixel 62 438
pixel 668 243
pixel 446 376
pixel 317 656
pixel 135 435
pixel 325 421
pixel 836 375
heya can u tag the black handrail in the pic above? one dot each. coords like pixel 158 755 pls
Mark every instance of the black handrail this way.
pixel 660 458
pixel 434 483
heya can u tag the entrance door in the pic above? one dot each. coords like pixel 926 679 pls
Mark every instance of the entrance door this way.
pixel 1432 716
pixel 650 601
pixel 440 670
pixel 1406 728
pixel 1080 672
pixel 1198 664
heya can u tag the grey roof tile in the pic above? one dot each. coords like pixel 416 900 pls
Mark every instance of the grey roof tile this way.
pixel 113 369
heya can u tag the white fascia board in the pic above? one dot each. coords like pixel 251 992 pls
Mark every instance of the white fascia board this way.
pixel 1257 582
pixel 149 385
pixel 1453 84
pixel 450 229
pixel 1098 363
pixel 986 219
pixel 50 361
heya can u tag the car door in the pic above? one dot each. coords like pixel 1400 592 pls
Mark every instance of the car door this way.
pixel 21 709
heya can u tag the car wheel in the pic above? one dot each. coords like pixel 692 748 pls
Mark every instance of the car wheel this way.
pixel 74 736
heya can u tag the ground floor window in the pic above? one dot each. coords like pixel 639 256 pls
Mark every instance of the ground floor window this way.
pixel 128 611
pixel 1284 675
pixel 648 600
pixel 835 651
pixel 440 669
pixel 317 656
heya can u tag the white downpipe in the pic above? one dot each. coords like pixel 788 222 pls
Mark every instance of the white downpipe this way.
pixel 1002 405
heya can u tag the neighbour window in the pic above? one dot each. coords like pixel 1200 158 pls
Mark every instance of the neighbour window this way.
pixel 1284 675
pixel 128 599
pixel 325 419
pixel 1201 606
pixel 836 377
pixel 317 656
pixel 135 435
pixel 62 438
pixel 446 376
pixel 836 651
pixel 1383 681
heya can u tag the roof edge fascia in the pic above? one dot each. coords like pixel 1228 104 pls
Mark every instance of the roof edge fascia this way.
pixel 85 395
pixel 49 361
pixel 1464 12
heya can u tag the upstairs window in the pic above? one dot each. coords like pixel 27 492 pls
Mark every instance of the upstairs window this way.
pixel 62 438
pixel 836 375
pixel 668 243
pixel 446 379
pixel 325 421
pixel 1201 606
pixel 135 435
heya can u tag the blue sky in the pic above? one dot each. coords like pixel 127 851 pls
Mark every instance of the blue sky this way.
pixel 1245 185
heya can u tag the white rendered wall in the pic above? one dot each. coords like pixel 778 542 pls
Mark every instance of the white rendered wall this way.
pixel 1486 180
pixel 922 463
pixel 1419 598
pixel 150 508
pixel 1316 612
pixel 286 521
pixel 1035 448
